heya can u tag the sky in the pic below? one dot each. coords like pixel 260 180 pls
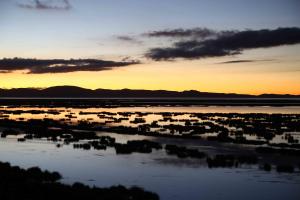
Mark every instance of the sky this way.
pixel 232 46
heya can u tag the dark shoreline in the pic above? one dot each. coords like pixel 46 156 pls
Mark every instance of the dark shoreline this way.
pixel 141 102
pixel 35 184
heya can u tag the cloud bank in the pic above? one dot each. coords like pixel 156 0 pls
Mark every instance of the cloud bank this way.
pixel 182 33
pixel 37 66
pixel 222 43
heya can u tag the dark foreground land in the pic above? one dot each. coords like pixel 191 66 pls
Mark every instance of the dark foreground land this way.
pixel 35 184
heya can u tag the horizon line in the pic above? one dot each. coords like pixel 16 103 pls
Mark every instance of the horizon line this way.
pixel 187 90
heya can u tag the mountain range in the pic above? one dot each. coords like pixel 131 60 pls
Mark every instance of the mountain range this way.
pixel 78 92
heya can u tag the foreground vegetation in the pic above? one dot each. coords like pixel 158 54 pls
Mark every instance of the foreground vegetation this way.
pixel 35 184
pixel 216 127
pixel 250 129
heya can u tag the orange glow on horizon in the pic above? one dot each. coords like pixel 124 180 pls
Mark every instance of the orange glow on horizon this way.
pixel 205 76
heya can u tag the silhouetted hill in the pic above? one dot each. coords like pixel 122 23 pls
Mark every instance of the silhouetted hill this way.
pixel 66 91
pixel 78 92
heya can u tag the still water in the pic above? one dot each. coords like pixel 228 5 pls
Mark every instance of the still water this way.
pixel 168 176
pixel 125 116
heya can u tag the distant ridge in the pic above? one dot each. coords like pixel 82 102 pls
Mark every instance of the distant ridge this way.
pixel 78 92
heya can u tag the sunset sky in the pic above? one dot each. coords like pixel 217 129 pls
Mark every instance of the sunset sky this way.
pixel 237 46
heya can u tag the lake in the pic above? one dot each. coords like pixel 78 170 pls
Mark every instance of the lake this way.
pixel 167 175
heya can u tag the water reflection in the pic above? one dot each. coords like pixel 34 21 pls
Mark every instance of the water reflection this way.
pixel 170 177
pixel 251 126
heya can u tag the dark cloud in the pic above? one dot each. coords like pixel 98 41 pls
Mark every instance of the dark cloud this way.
pixel 129 39
pixel 242 61
pixel 237 61
pixel 174 34
pixel 130 59
pixel 181 33
pixel 47 5
pixel 227 43
pixel 36 66
pixel 126 38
